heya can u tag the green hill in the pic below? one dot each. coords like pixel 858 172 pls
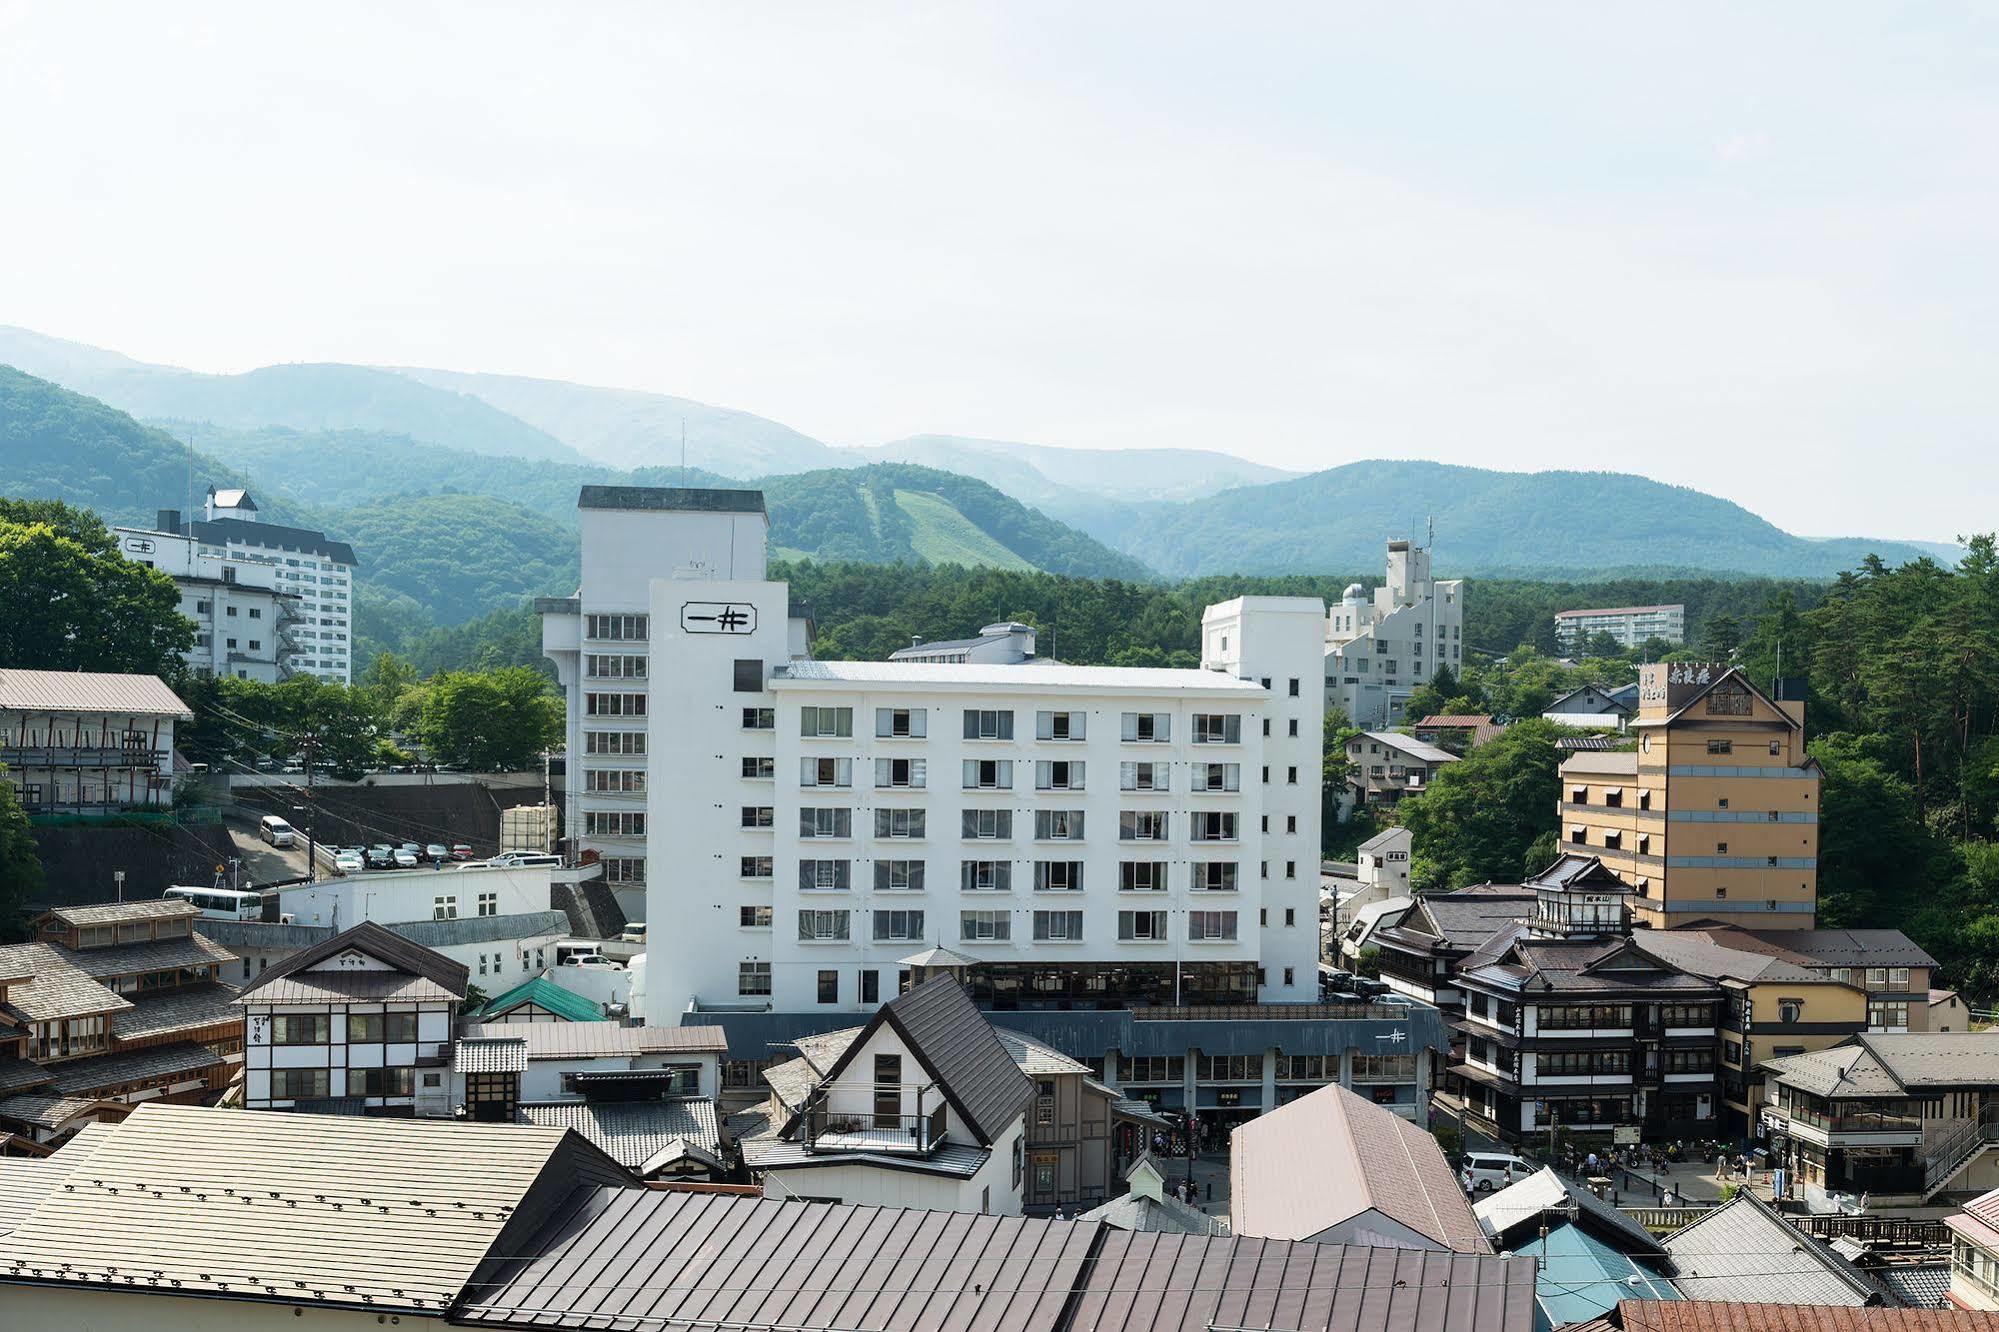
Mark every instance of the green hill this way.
pixel 1531 523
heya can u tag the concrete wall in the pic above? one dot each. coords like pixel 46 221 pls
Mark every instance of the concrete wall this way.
pixel 78 858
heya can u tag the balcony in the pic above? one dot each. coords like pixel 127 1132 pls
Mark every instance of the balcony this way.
pixel 22 757
pixel 825 1130
pixel 1853 1129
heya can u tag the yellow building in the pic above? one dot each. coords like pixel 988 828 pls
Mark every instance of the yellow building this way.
pixel 1714 816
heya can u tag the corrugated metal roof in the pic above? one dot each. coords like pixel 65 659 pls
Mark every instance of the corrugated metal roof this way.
pixel 565 1040
pixel 1298 1170
pixel 393 1213
pixel 376 941
pixel 1036 678
pixel 1742 1250
pixel 633 1132
pixel 1718 1316
pixel 482 929
pixel 24 1182
pixel 544 993
pixel 89 691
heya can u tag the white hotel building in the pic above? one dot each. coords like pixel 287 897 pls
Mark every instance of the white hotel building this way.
pixel 1090 835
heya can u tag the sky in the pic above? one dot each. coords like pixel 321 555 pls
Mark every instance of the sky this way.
pixel 1748 249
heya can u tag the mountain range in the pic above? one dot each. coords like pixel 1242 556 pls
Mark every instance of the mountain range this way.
pixel 351 436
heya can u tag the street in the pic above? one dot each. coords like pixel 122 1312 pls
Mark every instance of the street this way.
pixel 262 863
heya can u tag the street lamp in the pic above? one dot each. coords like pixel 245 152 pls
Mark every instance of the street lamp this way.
pixel 118 877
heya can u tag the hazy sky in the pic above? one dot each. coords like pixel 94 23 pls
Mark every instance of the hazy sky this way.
pixel 1752 252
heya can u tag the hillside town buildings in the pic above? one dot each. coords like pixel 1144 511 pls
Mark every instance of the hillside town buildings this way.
pixel 84 742
pixel 1713 816
pixel 1381 649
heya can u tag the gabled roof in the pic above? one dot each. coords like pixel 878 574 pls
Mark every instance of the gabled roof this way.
pixel 1466 920
pixel 1581 1277
pixel 376 941
pixel 1743 1250
pixel 1702 955
pixel 1410 745
pixel 1329 1156
pixel 1570 871
pixel 1587 693
pixel 89 691
pixel 635 1132
pixel 1890 1063
pixel 543 993
pixel 114 913
pixel 1737 674
pixel 960 1051
pixel 57 987
pixel 1697 1315
pixel 1524 1202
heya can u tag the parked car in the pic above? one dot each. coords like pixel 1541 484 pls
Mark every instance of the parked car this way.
pixel 516 859
pixel 349 861
pixel 381 857
pixel 578 953
pixel 404 858
pixel 437 851
pixel 1495 1170
pixel 634 933
pixel 460 851
pixel 276 831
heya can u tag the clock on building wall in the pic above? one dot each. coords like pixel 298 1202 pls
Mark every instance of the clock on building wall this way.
pixel 718 617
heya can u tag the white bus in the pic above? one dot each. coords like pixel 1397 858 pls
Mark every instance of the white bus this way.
pixel 221 903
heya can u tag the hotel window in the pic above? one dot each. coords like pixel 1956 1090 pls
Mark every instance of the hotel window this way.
pixel 1058 775
pixel 444 908
pixel 1214 876
pixel 759 719
pixel 602 666
pixel 613 823
pixel 822 926
pixel 1143 777
pixel 617 628
pixel 985 926
pixel 1141 876
pixel 1721 746
pixel 988 774
pixel 984 876
pixel 899 876
pixel 1213 825
pixel 823 822
pixel 758 816
pixel 758 768
pixel 902 723
pixel 900 773
pixel 825 875
pixel 899 823
pixel 298 1084
pixel 379 1028
pixel 381 1081
pixel 756 867
pixel 614 742
pixel 1058 876
pixel 753 917
pixel 300 1028
pixel 987 825
pixel 615 781
pixel 988 724
pixel 825 772
pixel 826 722
pixel 1058 825
pixel 892 926
pixel 489 904
pixel 1060 725
pixel 1216 776
pixel 1058 926
pixel 1142 825
pixel 753 978
pixel 1146 727
pixel 1211 925
pixel 614 705
pixel 1214 728
pixel 1149 926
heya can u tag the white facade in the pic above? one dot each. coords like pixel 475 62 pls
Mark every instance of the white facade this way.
pixel 780 793
pixel 1379 651
pixel 390 897
pixel 296 1053
pixel 1631 626
pixel 242 624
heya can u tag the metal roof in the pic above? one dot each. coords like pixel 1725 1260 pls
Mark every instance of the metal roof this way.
pixel 388 1213
pixel 633 1133
pixel 57 988
pixel 273 536
pixel 671 499
pixel 1525 1201
pixel 951 1039
pixel 447 979
pixel 1705 955
pixel 1742 1250
pixel 573 1040
pixel 1326 1157
pixel 1581 1277
pixel 342 987
pixel 482 929
pixel 1718 1316
pixel 1134 1211
pixel 544 993
pixel 1833 948
pixel 259 935
pixel 489 1054
pixel 1039 678
pixel 954 1160
pixel 189 1008
pixel 114 913
pixel 1892 1063
pixel 1411 746
pixel 1613 763
pixel 89 691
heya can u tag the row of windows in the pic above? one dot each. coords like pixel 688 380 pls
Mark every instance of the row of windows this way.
pixel 1134 876
pixel 819 822
pixel 310 1084
pixel 998 724
pixel 613 666
pixel 836 926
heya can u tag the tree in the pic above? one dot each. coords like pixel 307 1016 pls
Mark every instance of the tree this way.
pixel 68 602
pixel 1872 842
pixel 1720 636
pixel 1480 817
pixel 498 721
pixel 1603 643
pixel 20 866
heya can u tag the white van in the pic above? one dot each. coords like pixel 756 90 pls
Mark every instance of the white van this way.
pixel 516 859
pixel 634 933
pixel 576 953
pixel 1495 1170
pixel 276 831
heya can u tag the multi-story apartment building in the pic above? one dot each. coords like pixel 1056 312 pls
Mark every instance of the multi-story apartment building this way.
pixel 1379 651
pixel 1631 626
pixel 1714 815
pixel 84 742
pixel 1087 834
pixel 310 576
pixel 243 624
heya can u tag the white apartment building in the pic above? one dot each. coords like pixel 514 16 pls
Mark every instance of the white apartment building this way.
pixel 1379 651
pixel 243 625
pixel 307 628
pixel 1090 834
pixel 1631 626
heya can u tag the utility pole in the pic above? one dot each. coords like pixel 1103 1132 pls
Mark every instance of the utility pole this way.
pixel 118 877
pixel 311 806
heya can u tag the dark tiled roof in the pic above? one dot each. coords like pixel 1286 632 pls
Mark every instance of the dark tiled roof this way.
pixel 18 1075
pixel 639 1260
pixel 221 531
pixel 1834 948
pixel 672 499
pixel 58 988
pixel 955 1042
pixel 153 955
pixel 104 1072
pixel 1466 920
pixel 1918 1285
pixel 378 942
pixel 190 1008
